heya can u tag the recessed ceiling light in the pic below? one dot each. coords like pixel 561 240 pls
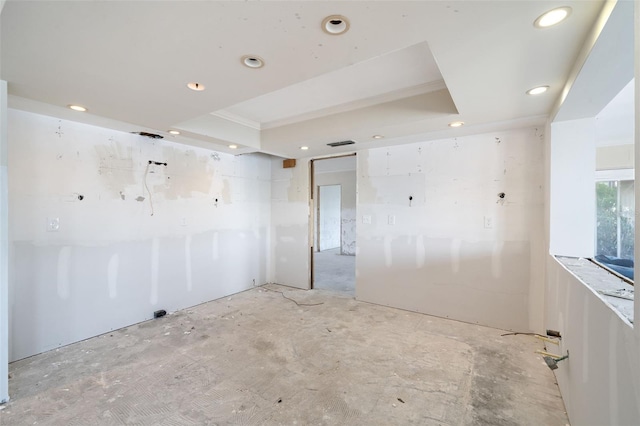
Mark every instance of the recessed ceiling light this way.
pixel 537 90
pixel 377 136
pixel 174 132
pixel 456 124
pixel 552 17
pixel 195 86
pixel 304 148
pixel 233 146
pixel 252 61
pixel 78 108
pixel 335 25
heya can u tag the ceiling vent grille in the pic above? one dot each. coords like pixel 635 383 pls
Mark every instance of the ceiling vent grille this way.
pixel 148 135
pixel 341 143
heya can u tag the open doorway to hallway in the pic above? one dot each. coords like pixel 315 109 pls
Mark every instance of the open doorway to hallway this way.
pixel 334 224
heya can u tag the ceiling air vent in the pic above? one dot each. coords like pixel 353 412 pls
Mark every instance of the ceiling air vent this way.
pixel 148 135
pixel 341 143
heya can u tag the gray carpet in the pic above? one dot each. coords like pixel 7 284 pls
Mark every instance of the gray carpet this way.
pixel 335 272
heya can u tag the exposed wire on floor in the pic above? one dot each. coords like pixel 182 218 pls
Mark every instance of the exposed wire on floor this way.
pixel 146 171
pixel 294 301
pixel 526 334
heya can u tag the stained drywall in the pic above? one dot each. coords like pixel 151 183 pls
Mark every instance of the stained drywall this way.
pixel 600 382
pixel 290 217
pixel 435 236
pixel 572 194
pixel 347 181
pixel 101 238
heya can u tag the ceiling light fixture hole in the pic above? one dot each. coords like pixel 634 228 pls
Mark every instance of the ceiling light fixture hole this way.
pixel 252 61
pixel 335 25
pixel 195 86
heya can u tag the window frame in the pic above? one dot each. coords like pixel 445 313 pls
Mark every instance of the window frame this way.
pixel 606 176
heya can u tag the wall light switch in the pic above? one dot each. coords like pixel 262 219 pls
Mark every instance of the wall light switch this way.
pixel 53 224
pixel 392 219
pixel 488 222
pixel 366 219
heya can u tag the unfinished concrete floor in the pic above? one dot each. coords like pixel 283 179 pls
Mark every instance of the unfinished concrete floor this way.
pixel 334 271
pixel 257 358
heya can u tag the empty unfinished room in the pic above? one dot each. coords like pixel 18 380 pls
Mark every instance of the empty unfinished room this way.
pixel 318 212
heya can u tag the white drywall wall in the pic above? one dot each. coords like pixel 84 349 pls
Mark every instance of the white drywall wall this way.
pixel 4 247
pixel 615 157
pixel 329 211
pixel 111 263
pixel 600 382
pixel 456 249
pixel 347 182
pixel 572 192
pixel 290 218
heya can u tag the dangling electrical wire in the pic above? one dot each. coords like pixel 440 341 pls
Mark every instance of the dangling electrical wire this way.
pixel 146 171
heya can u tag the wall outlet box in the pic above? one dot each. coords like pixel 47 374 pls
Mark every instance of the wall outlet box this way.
pixel 488 222
pixel 53 224
pixel 366 219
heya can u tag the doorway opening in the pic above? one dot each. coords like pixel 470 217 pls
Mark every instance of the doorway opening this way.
pixel 333 188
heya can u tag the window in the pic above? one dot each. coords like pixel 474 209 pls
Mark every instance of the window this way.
pixel 615 222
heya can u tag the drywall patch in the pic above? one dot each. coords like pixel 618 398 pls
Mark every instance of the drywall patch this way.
pixel 112 276
pixel 64 257
pixel 175 183
pixel 115 166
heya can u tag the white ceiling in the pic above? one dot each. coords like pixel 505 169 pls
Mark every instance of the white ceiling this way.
pixel 403 70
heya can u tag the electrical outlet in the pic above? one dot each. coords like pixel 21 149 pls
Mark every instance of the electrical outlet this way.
pixel 488 222
pixel 366 219
pixel 392 219
pixel 53 224
pixel 183 221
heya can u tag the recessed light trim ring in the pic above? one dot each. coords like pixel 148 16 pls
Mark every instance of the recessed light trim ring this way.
pixel 537 90
pixel 252 61
pixel 552 17
pixel 456 124
pixel 335 25
pixel 78 108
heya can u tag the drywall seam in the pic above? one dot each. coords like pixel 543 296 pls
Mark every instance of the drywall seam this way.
pixel 107 258
pixel 4 247
pixel 434 236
